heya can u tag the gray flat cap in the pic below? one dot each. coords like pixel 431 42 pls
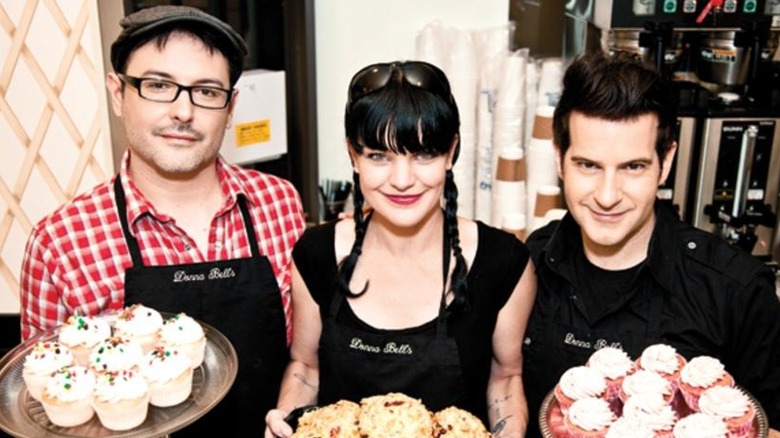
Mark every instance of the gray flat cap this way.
pixel 141 24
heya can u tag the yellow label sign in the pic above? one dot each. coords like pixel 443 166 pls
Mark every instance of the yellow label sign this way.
pixel 250 133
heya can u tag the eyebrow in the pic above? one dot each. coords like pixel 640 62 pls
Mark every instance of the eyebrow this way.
pixel 167 76
pixel 635 160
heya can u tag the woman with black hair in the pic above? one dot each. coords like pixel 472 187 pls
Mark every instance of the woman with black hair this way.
pixel 408 297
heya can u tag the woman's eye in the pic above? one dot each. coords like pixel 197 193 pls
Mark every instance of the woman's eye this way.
pixel 424 156
pixel 376 156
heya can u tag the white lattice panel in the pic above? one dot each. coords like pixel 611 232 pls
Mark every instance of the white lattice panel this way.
pixel 54 140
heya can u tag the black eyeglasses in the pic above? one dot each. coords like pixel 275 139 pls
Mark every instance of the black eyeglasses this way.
pixel 417 73
pixel 161 90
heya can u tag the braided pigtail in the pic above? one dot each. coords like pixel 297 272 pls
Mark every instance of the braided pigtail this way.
pixel 458 279
pixel 347 266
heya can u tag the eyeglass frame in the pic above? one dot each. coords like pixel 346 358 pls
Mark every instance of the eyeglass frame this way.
pixel 136 82
pixel 382 73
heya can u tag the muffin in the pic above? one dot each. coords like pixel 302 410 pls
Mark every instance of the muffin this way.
pixel 183 333
pixel 630 427
pixel 115 354
pixel 589 417
pixel 731 404
pixel 169 375
pixel 646 381
pixel 140 324
pixel 67 398
pixel 44 359
pixel 82 333
pixel 458 423
pixel 121 399
pixel 664 360
pixel 652 409
pixel 336 420
pixel 579 382
pixel 394 415
pixel 700 425
pixel 699 374
pixel 615 365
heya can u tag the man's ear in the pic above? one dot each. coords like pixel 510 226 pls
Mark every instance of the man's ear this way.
pixel 231 106
pixel 115 92
pixel 666 164
pixel 558 160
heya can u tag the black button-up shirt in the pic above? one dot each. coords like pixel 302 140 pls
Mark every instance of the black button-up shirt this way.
pixel 694 292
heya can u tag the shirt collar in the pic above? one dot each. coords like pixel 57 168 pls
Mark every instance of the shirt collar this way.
pixel 566 241
pixel 138 205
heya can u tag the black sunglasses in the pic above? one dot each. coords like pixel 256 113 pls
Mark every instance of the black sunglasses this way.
pixel 417 73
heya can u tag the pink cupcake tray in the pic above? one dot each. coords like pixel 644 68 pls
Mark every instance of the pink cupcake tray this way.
pixel 551 417
pixel 23 417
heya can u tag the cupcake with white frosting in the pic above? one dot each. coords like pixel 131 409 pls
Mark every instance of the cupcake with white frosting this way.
pixel 700 374
pixel 140 324
pixel 67 398
pixel 630 427
pixel 615 365
pixel 664 360
pixel 646 381
pixel 651 409
pixel 44 359
pixel 183 333
pixel 169 375
pixel 81 334
pixel 731 404
pixel 115 354
pixel 579 382
pixel 700 425
pixel 589 418
pixel 121 399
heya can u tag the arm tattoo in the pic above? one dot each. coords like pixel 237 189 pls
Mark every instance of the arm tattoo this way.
pixel 495 406
pixel 302 378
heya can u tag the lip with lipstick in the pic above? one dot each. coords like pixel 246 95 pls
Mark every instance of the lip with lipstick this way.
pixel 403 199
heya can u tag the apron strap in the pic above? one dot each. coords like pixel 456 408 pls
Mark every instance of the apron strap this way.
pixel 121 205
pixel 250 228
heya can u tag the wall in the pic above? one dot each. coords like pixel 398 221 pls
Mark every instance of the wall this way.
pixel 53 118
pixel 351 34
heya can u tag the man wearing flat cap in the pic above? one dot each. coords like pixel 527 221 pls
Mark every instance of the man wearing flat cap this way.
pixel 178 229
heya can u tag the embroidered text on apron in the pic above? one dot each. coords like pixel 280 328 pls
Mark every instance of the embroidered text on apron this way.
pixel 356 364
pixel 241 299
pixel 554 346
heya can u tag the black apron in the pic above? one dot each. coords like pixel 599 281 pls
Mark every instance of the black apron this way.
pixel 554 346
pixel 356 363
pixel 243 302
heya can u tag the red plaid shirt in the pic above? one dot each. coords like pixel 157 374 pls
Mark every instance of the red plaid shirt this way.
pixel 76 257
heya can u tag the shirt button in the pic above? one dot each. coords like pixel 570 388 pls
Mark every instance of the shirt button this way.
pixel 691 245
pixel 187 247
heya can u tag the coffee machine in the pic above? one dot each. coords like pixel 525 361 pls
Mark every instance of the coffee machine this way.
pixel 720 53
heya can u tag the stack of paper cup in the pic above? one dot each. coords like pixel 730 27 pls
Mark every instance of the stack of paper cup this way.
pixel 550 81
pixel 540 159
pixel 514 223
pixel 548 198
pixel 509 189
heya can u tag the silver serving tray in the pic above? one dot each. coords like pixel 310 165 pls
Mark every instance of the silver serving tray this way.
pixel 24 417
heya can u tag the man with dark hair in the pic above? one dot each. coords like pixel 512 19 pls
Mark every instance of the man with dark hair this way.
pixel 620 269
pixel 178 229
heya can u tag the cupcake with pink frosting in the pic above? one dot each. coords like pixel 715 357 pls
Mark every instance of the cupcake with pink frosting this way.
pixel 664 360
pixel 646 381
pixel 44 359
pixel 651 409
pixel 700 374
pixel 615 365
pixel 731 404
pixel 700 425
pixel 589 418
pixel 579 382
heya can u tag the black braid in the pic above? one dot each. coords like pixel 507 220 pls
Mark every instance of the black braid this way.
pixel 458 279
pixel 347 266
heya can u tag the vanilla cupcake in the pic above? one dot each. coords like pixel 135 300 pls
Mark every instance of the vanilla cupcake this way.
pixel 67 398
pixel 579 382
pixel 699 374
pixel 699 425
pixel 589 418
pixel 82 333
pixel 653 410
pixel 664 360
pixel 169 375
pixel 646 381
pixel 183 333
pixel 615 365
pixel 139 323
pixel 121 399
pixel 115 354
pixel 731 404
pixel 44 359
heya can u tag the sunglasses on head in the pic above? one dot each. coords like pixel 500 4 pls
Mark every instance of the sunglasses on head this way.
pixel 417 73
